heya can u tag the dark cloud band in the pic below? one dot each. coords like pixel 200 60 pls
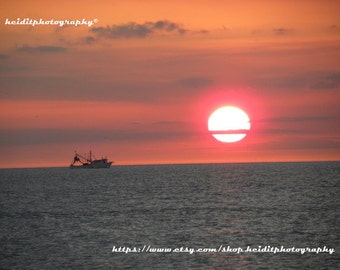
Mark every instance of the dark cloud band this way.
pixel 136 30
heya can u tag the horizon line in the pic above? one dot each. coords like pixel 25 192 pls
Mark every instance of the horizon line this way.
pixel 194 163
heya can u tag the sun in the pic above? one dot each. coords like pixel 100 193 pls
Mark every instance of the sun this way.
pixel 229 124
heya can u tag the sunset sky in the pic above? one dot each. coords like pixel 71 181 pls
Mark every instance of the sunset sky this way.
pixel 140 82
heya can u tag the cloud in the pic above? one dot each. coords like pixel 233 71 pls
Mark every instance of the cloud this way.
pixel 299 119
pixel 12 68
pixel 328 82
pixel 44 136
pixel 311 80
pixel 60 88
pixel 334 28
pixel 41 49
pixel 21 137
pixel 135 30
pixel 284 82
pixel 281 31
pixel 195 82
pixel 89 40
pixel 4 56
pixel 139 86
pixel 203 31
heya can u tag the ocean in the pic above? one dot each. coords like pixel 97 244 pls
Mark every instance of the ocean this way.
pixel 195 216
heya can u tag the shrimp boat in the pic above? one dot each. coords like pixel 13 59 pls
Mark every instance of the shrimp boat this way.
pixel 89 162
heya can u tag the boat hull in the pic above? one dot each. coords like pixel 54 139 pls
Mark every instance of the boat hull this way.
pixel 92 166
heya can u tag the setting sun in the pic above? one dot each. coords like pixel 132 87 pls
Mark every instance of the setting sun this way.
pixel 228 124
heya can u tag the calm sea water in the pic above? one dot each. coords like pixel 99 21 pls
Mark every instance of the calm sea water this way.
pixel 56 218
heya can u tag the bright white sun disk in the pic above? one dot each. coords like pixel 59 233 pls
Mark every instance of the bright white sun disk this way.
pixel 228 124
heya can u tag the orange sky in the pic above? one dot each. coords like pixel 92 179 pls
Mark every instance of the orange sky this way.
pixel 139 84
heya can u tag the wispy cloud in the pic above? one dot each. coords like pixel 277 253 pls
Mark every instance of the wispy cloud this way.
pixel 89 40
pixel 281 31
pixel 41 49
pixel 136 30
pixel 309 118
pixel 20 137
pixel 12 69
pixel 329 81
pixel 3 56
pixel 195 82
pixel 311 80
pixel 334 28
